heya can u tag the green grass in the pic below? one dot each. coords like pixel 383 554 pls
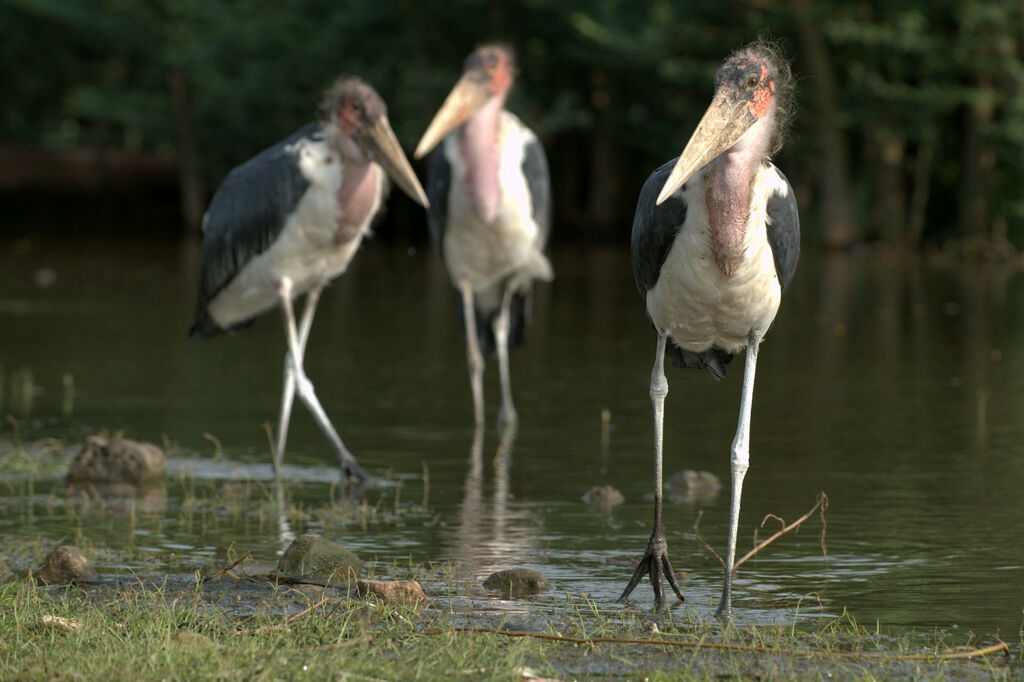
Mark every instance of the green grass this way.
pixel 229 629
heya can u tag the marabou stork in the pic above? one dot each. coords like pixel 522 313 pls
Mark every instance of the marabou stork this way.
pixel 489 214
pixel 289 220
pixel 716 238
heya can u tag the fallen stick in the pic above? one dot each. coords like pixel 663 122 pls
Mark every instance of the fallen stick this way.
pixel 973 653
pixel 302 613
pixel 226 570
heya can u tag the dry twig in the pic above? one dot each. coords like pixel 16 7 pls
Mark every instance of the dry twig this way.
pixel 973 653
pixel 822 503
pixel 304 612
pixel 819 506
pixel 226 570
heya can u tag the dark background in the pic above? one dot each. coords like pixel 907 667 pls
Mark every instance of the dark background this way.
pixel 125 115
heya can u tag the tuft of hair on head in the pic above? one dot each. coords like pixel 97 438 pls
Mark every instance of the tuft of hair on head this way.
pixel 506 48
pixel 343 86
pixel 771 53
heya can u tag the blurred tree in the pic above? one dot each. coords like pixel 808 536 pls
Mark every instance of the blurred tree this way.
pixel 912 124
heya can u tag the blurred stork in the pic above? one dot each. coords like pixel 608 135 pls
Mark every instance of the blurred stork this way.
pixel 289 220
pixel 489 214
pixel 716 238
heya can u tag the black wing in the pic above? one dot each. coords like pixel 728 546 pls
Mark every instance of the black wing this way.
pixel 655 228
pixel 538 181
pixel 784 231
pixel 245 216
pixel 439 182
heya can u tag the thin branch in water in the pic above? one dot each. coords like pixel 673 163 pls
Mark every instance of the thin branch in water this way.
pixel 704 543
pixel 226 570
pixel 821 503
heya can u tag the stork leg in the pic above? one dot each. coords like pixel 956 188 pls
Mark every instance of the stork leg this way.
pixel 507 413
pixel 350 469
pixel 474 357
pixel 288 391
pixel 655 560
pixel 740 462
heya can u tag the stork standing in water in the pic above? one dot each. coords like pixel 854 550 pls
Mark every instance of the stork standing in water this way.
pixel 716 238
pixel 489 214
pixel 288 221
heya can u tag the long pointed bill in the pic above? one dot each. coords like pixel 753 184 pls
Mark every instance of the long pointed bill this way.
pixel 721 126
pixel 382 146
pixel 463 101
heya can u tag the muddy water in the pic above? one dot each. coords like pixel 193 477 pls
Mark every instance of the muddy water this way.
pixel 895 387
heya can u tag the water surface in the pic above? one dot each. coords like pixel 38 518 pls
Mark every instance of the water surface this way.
pixel 894 386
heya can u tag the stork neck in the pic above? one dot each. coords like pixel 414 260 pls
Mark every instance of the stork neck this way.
pixel 481 154
pixel 728 188
pixel 349 151
pixel 356 197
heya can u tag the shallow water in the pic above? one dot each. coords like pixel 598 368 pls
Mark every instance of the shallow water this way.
pixel 895 387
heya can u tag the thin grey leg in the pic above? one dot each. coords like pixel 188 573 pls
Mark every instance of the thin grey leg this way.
pixel 740 462
pixel 507 413
pixel 474 358
pixel 288 392
pixel 350 469
pixel 655 560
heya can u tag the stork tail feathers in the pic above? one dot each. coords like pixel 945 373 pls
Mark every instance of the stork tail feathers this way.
pixel 712 360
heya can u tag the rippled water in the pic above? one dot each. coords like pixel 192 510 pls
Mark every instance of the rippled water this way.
pixel 895 387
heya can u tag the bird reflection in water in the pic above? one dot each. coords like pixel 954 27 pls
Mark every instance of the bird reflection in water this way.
pixel 496 533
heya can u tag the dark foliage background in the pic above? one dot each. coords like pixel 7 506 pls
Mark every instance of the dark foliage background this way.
pixel 910 126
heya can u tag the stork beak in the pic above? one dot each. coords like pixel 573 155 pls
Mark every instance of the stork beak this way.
pixel 722 125
pixel 463 101
pixel 382 146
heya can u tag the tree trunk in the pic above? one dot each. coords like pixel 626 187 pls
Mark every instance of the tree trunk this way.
pixel 837 210
pixel 919 194
pixel 977 162
pixel 888 210
pixel 604 185
pixel 188 172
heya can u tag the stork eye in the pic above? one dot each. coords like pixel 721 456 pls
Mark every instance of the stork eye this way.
pixel 753 81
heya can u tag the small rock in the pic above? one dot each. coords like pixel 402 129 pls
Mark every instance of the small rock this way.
pixel 692 486
pixel 314 557
pixel 517 582
pixel 394 591
pixel 64 565
pixel 117 460
pixel 603 498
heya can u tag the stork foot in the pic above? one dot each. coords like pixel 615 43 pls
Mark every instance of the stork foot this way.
pixel 724 612
pixel 655 563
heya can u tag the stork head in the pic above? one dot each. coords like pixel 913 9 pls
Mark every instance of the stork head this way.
pixel 361 119
pixel 750 87
pixel 488 73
